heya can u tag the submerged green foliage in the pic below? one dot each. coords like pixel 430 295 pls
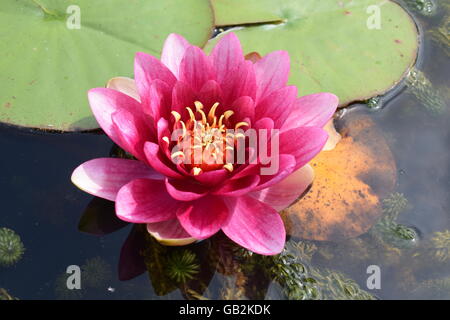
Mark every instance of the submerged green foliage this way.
pixel 96 272
pixel 441 245
pixel 155 258
pixel 292 275
pixel 336 286
pixel 11 247
pixel 441 34
pixel 181 266
pixel 387 227
pixel 424 7
pixel 374 103
pixel 395 204
pixel 303 282
pixel 172 268
pixel 64 293
pixel 304 249
pixel 422 88
pixel 434 289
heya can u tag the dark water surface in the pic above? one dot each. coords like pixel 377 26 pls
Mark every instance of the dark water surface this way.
pixel 39 202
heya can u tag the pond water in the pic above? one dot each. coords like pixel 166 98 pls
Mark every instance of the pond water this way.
pixel 410 244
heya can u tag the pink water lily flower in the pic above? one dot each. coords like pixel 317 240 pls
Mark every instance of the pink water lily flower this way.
pixel 181 203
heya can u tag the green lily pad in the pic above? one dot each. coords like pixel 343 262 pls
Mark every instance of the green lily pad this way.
pixel 330 44
pixel 46 68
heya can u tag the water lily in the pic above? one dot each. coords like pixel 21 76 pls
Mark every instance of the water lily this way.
pixel 184 201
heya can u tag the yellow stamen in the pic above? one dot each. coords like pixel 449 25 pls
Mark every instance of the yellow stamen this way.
pixel 177 154
pixel 212 112
pixel 197 140
pixel 191 113
pixel 211 144
pixel 176 115
pixel 240 124
pixel 220 120
pixel 229 167
pixel 198 106
pixel 184 129
pixel 228 114
pixel 203 116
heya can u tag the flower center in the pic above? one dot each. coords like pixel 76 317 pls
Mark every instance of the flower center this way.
pixel 205 142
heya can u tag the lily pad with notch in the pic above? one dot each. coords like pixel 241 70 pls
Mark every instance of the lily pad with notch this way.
pixel 355 49
pixel 54 51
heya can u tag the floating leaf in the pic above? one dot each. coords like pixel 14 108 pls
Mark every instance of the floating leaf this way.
pixel 350 179
pixel 335 46
pixel 48 64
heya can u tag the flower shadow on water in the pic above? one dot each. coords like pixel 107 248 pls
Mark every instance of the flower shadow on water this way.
pixel 189 269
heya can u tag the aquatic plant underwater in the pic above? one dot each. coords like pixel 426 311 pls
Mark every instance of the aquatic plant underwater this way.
pixel 223 230
pixel 11 247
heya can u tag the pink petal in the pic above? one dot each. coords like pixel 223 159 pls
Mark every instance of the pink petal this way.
pixel 158 161
pixel 303 143
pixel 255 226
pixel 212 178
pixel 124 85
pixel 226 54
pixel 145 201
pixel 277 105
pixel 162 128
pixel 281 195
pixel 185 190
pixel 240 81
pixel 104 177
pixel 173 51
pixel 158 100
pixel 170 233
pixel 104 102
pixel 133 132
pixel 313 110
pixel 182 97
pixel 204 217
pixel 195 68
pixel 244 107
pixel 272 73
pixel 238 187
pixel 286 165
pixel 210 93
pixel 264 123
pixel 147 69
